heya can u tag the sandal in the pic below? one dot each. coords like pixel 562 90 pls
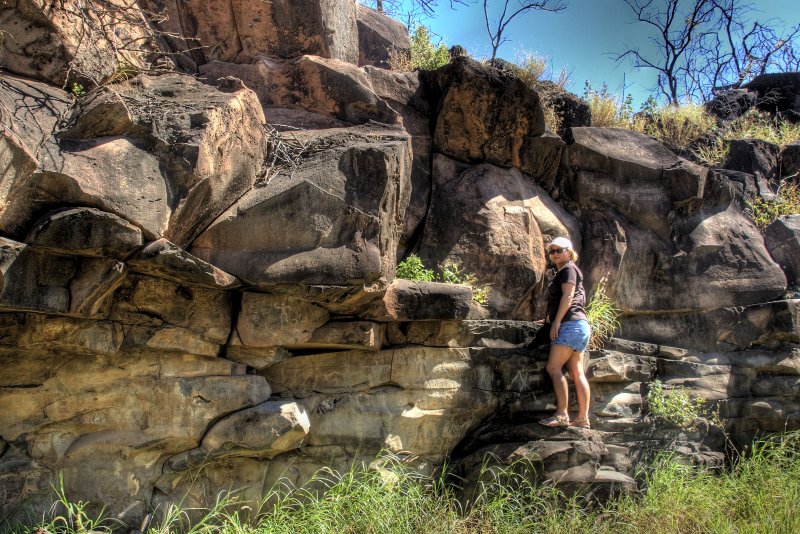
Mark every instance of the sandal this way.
pixel 581 423
pixel 555 420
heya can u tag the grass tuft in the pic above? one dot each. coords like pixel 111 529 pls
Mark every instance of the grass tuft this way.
pixel 602 314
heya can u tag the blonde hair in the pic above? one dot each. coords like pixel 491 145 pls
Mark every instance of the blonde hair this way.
pixel 573 255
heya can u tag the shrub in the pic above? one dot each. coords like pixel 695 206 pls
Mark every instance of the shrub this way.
pixel 450 272
pixel 602 314
pixel 423 54
pixel 786 202
pixel 674 405
pixel 679 127
pixel 412 268
pixel 608 110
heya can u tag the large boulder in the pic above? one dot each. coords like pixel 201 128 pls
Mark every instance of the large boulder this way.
pixel 674 236
pixel 334 219
pixel 487 115
pixel 239 31
pixel 495 222
pixel 782 238
pixel 76 41
pixel 778 93
pixel 757 157
pixel 379 37
pixel 196 153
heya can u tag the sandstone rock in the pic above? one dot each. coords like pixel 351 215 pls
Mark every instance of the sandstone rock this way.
pixel 113 175
pixel 168 338
pixel 327 87
pixel 790 160
pixel 339 300
pixel 335 219
pixel 420 301
pixel 485 115
pixel 363 335
pixel 782 239
pixel 428 423
pixel 486 333
pixel 70 335
pixel 256 357
pixel 164 259
pixel 766 325
pixel 675 231
pixel 29 113
pixel 155 302
pixel 37 281
pixel 632 173
pixel 195 131
pixel 782 89
pixel 756 157
pixel 272 320
pixel 615 366
pixel 495 222
pixel 81 41
pixel 379 37
pixel 240 31
pixel 86 232
pixel 264 431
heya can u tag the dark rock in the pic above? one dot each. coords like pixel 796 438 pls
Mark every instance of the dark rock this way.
pixel 782 238
pixel 778 93
pixel 379 37
pixel 731 104
pixel 419 301
pixel 790 161
pixel 86 232
pixel 756 157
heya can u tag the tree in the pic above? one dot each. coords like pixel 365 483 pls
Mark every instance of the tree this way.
pixel 411 12
pixel 496 33
pixel 702 46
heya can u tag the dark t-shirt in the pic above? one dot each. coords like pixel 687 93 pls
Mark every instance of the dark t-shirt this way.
pixel 568 274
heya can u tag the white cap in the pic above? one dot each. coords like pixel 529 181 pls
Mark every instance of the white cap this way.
pixel 561 242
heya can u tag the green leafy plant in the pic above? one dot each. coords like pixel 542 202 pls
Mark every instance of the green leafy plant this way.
pixel 77 90
pixel 450 272
pixel 602 314
pixel 786 202
pixel 412 268
pixel 423 54
pixel 675 405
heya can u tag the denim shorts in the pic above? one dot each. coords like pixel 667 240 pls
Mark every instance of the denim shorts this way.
pixel 574 334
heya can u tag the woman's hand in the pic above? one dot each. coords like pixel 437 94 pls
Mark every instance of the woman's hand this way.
pixel 554 330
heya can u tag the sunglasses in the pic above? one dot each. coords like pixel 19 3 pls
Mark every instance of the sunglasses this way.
pixel 556 251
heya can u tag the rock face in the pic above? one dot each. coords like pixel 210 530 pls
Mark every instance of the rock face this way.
pixel 197 275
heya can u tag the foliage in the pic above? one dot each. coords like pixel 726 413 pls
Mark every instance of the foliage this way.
pixel 758 493
pixel 450 272
pixel 602 314
pixel 786 202
pixel 412 268
pixel 423 54
pixel 678 127
pixel 532 68
pixel 607 109
pixel 77 90
pixel 675 405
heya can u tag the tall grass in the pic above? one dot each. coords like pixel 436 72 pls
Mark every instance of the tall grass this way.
pixel 602 314
pixel 759 493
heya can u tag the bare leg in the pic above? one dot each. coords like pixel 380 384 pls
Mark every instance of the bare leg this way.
pixel 575 367
pixel 559 355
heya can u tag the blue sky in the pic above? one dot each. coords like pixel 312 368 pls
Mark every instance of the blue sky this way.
pixel 583 38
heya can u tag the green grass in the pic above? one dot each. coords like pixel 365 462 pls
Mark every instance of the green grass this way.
pixel 786 202
pixel 602 314
pixel 758 494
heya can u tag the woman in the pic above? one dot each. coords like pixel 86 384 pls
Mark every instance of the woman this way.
pixel 569 334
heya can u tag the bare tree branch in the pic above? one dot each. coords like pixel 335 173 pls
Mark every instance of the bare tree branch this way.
pixel 496 31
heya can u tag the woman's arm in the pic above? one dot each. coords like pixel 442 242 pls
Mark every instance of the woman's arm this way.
pixel 567 292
